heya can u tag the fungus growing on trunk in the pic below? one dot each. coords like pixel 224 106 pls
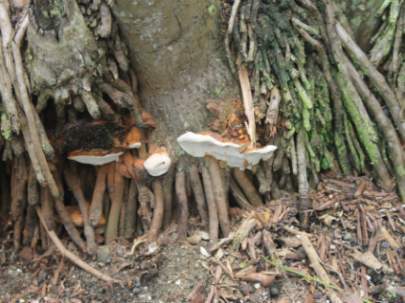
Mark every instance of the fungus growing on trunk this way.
pixel 94 157
pixel 109 146
pixel 101 135
pixel 100 142
pixel 158 163
pixel 236 155
pixel 233 154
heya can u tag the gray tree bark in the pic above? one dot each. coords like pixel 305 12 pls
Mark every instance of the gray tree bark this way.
pixel 177 50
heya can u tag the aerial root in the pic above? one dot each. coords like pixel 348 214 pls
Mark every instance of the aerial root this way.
pixel 72 180
pixel 248 188
pixel 239 196
pixel 213 222
pixel 96 205
pixel 158 211
pixel 167 183
pixel 18 184
pixel 72 257
pixel 182 203
pixel 220 195
pixel 130 216
pixel 198 192
pixel 116 189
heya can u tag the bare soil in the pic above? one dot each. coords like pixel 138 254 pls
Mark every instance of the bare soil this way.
pixel 168 275
pixel 349 217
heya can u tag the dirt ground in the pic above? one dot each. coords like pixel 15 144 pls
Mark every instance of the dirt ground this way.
pixel 357 233
pixel 168 275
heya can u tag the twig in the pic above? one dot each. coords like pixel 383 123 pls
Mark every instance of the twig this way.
pixel 315 262
pixel 196 295
pixel 369 260
pixel 307 277
pixel 231 24
pixel 248 103
pixel 243 231
pixel 71 256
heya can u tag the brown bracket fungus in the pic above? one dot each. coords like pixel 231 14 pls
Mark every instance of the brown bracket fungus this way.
pixel 100 143
pixel 116 163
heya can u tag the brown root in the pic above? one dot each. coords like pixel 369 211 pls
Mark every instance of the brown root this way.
pixel 18 187
pixel 182 203
pixel 32 188
pixel 168 180
pixel 67 222
pixel 72 181
pixel 47 205
pixel 124 207
pixel 29 226
pixel 18 226
pixel 72 257
pixel 213 224
pixel 116 190
pixel 29 111
pixel 96 206
pixel 4 192
pixel 303 186
pixel 130 217
pixel 158 211
pixel 145 199
pixel 220 196
pixel 247 187
pixel 18 198
pixel 239 196
pixel 198 194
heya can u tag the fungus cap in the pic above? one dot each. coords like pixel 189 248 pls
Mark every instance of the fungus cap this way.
pixel 200 145
pixel 94 157
pixel 158 164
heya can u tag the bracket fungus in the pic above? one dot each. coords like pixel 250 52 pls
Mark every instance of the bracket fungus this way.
pixel 158 163
pixel 110 147
pixel 100 143
pixel 94 157
pixel 235 155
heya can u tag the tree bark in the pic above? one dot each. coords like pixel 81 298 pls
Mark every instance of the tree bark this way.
pixel 177 51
